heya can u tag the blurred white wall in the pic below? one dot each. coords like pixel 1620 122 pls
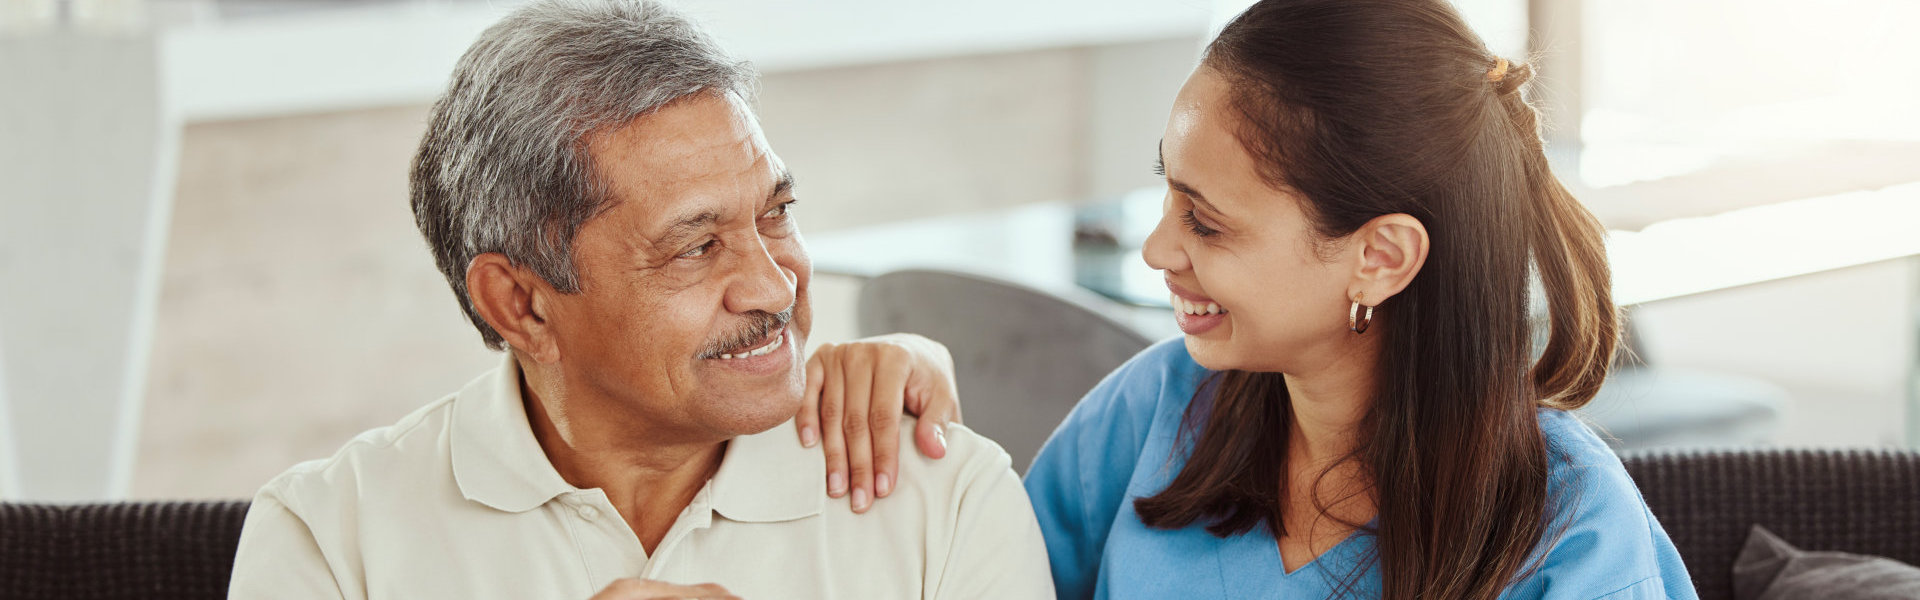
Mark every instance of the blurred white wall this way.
pixel 295 62
pixel 9 461
pixel 1841 343
pixel 88 171
pixel 1681 87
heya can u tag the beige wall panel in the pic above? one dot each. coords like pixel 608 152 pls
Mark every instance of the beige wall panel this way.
pixel 298 306
pixel 880 143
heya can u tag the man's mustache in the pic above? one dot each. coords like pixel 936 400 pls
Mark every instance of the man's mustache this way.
pixel 759 325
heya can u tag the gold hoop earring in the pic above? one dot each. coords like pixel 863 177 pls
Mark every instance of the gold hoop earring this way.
pixel 1355 322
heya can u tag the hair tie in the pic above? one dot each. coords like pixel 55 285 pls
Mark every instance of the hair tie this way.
pixel 1498 72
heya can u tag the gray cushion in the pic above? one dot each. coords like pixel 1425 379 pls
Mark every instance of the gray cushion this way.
pixel 1851 500
pixel 1771 569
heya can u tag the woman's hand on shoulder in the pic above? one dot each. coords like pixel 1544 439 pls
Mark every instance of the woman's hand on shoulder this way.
pixel 856 393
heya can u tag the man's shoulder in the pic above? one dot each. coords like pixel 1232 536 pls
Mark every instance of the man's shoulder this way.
pixel 969 455
pixel 410 448
pixel 931 490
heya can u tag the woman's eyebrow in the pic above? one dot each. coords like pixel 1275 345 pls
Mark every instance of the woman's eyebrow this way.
pixel 1181 186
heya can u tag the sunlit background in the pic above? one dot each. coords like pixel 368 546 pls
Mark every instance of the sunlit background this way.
pixel 208 270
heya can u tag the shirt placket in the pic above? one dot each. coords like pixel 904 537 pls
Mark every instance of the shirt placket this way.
pixel 696 516
pixel 608 547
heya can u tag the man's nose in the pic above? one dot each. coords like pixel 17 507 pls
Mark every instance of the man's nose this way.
pixel 761 283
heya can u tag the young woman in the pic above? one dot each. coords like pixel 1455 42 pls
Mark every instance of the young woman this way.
pixel 1357 200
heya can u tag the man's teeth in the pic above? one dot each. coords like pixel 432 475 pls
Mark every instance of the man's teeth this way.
pixel 1196 308
pixel 761 351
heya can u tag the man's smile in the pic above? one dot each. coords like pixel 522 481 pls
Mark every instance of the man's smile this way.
pixel 765 347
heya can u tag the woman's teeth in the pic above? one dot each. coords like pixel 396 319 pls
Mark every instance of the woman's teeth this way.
pixel 1196 308
pixel 761 351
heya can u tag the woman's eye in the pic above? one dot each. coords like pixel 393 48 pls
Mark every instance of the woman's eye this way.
pixel 700 251
pixel 1194 225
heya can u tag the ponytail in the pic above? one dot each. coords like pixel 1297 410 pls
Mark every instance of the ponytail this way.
pixel 1570 257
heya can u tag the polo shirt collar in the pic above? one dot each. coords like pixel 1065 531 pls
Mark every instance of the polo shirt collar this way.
pixel 769 477
pixel 763 477
pixel 496 460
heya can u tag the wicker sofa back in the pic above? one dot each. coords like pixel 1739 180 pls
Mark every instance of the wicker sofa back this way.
pixel 1859 501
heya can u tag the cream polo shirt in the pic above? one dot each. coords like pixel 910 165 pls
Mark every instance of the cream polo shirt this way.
pixel 458 501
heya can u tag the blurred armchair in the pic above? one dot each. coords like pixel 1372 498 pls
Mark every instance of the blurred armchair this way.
pixel 1022 357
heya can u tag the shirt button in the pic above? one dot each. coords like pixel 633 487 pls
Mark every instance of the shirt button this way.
pixel 587 512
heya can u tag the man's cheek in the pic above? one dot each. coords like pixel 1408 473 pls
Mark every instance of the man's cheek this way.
pixel 792 255
pixel 682 277
pixel 802 315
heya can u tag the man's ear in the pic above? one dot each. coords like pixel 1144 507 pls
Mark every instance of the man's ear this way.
pixel 1391 248
pixel 514 301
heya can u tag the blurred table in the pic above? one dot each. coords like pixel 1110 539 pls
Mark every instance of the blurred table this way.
pixel 1096 246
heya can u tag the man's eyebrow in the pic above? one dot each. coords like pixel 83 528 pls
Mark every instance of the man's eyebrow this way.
pixel 781 187
pixel 1179 186
pixel 692 223
pixel 686 226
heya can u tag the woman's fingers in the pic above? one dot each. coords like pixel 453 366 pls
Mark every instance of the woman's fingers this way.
pixel 833 438
pixel 930 434
pixel 858 427
pixel 932 394
pixel 855 396
pixel 807 423
pixel 893 367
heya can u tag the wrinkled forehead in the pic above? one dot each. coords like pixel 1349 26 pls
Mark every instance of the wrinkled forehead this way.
pixel 705 148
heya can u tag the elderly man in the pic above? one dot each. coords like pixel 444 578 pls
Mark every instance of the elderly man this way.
pixel 599 195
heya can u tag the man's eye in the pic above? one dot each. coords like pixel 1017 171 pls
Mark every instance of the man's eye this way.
pixel 779 211
pixel 700 251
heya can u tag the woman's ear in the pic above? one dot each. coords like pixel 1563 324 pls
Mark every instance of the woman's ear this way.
pixel 513 300
pixel 1391 248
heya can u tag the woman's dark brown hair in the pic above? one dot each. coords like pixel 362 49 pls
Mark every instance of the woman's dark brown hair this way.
pixel 1366 108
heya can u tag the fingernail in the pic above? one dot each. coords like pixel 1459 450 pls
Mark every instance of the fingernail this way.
pixel 859 499
pixel 836 484
pixel 882 485
pixel 940 435
pixel 807 437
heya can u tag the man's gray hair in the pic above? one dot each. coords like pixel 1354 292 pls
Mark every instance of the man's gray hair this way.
pixel 504 165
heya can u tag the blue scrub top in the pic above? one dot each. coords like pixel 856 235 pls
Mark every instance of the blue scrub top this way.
pixel 1117 446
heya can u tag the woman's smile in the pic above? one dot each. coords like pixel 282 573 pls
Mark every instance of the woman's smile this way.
pixel 1195 314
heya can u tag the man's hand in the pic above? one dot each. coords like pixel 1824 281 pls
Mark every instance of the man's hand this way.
pixel 641 589
pixel 855 394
